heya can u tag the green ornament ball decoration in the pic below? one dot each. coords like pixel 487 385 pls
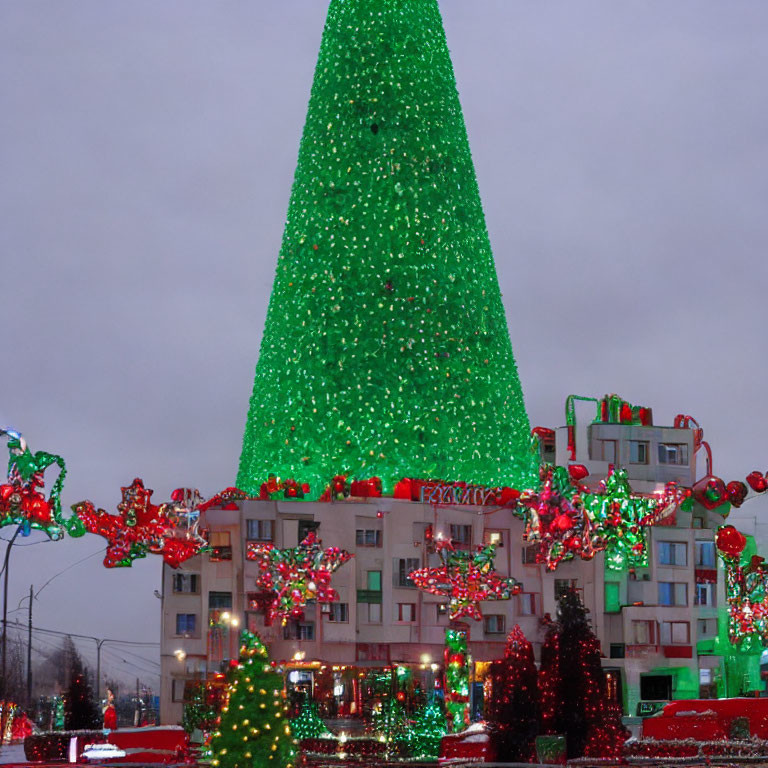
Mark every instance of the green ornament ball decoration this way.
pixel 386 350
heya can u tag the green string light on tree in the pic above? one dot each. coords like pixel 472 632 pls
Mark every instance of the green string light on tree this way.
pixel 426 732
pixel 308 724
pixel 385 351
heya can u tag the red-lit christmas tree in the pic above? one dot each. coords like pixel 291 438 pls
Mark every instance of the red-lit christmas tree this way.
pixel 514 705
pixel 573 687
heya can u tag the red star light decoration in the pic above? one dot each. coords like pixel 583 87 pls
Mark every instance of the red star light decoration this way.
pixel 466 578
pixel 296 575
pixel 141 527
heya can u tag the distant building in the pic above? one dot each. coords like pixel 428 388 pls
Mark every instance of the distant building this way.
pixel 656 625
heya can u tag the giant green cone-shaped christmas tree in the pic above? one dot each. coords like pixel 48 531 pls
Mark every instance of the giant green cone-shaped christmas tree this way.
pixel 386 350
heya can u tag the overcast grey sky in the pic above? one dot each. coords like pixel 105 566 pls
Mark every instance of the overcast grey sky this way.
pixel 147 151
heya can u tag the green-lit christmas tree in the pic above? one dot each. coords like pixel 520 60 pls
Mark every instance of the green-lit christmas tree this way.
pixel 253 729
pixel 426 732
pixel 309 724
pixel 386 350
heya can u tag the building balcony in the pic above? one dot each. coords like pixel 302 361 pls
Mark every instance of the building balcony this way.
pixel 369 596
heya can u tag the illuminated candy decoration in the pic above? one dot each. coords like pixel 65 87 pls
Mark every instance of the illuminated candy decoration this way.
pixel 386 350
pixel 466 578
pixel 564 519
pixel 140 528
pixel 21 501
pixel 295 575
pixel 456 658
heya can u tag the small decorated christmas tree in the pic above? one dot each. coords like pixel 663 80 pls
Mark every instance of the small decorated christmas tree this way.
pixel 254 730
pixel 573 686
pixel 390 724
pixel 309 724
pixel 80 710
pixel 426 731
pixel 201 710
pixel 514 704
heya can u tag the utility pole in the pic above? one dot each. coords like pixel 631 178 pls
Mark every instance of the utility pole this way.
pixel 99 643
pixel 138 706
pixel 5 613
pixel 29 648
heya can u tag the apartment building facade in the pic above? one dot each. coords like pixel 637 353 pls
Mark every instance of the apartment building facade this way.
pixel 653 623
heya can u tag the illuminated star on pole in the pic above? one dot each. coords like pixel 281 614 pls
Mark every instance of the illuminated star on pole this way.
pixel 466 578
pixel 296 575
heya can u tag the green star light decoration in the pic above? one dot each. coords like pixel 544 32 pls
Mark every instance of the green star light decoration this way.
pixel 386 350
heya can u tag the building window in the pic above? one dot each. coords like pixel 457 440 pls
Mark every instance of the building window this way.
pixel 612 597
pixel 697 522
pixel 374 581
pixel 221 545
pixel 673 553
pixel 339 612
pixel 403 566
pixel 563 585
pixel 675 633
pixel 219 601
pixel 638 451
pixel 673 453
pixel 299 630
pixel 673 593
pixel 608 451
pixel 461 535
pixel 178 689
pixel 306 527
pixel 442 611
pixel 494 537
pixel 186 583
pixel 706 627
pixel 705 594
pixel 495 624
pixel 260 530
pixel 186 624
pixel 527 604
pixel 406 612
pixel 374 613
pixel 705 554
pixel 644 632
pixel 529 555
pixel 368 538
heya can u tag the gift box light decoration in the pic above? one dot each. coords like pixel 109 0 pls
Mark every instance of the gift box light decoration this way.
pixel 293 576
pixel 386 351
pixel 466 578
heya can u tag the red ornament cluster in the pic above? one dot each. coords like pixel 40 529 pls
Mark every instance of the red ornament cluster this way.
pixel 141 527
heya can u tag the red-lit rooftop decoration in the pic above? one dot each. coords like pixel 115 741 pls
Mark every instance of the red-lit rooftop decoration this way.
pixel 466 578
pixel 296 575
